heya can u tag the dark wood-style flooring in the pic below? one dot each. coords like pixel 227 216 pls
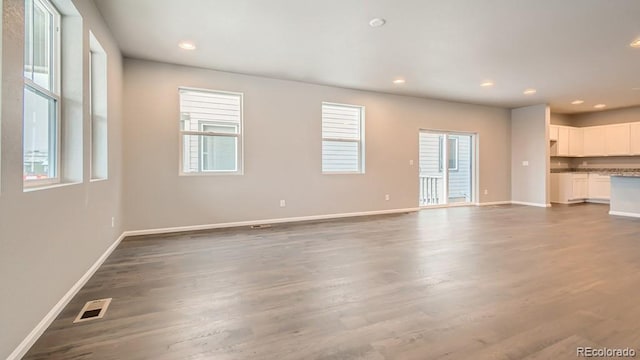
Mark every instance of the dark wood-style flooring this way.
pixel 503 282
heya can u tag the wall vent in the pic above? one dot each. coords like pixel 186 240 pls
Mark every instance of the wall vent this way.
pixel 92 310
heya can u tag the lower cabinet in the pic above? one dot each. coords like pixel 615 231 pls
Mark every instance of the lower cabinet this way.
pixel 570 188
pixel 599 187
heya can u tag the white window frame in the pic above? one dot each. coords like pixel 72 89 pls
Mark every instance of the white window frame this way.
pixel 201 125
pixel 96 52
pixel 53 94
pixel 239 136
pixel 449 158
pixel 360 141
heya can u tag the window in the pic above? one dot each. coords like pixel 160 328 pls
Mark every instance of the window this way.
pixel 98 109
pixel 41 121
pixel 342 138
pixel 210 132
pixel 452 153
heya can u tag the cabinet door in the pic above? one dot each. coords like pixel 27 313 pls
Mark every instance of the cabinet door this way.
pixel 599 187
pixel 634 139
pixel 563 141
pixel 594 138
pixel 617 139
pixel 576 142
pixel 580 187
pixel 553 133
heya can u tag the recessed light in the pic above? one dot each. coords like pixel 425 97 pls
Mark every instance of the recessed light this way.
pixel 399 81
pixel 577 102
pixel 187 45
pixel 530 91
pixel 600 106
pixel 487 84
pixel 635 43
pixel 377 22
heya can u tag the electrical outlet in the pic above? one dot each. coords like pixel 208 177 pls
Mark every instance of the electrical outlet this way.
pixel 387 197
pixel 525 163
pixel 283 203
pixel 113 222
pixel 411 162
pixel 486 192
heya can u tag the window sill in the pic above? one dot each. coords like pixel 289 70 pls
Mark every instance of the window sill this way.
pixel 343 173
pixel 98 180
pixel 196 174
pixel 49 186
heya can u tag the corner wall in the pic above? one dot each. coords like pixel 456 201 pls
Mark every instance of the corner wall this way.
pixel 50 238
pixel 530 155
pixel 282 121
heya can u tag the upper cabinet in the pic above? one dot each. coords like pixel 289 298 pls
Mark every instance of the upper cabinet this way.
pixel 607 140
pixel 617 139
pixel 594 138
pixel 634 139
pixel 576 142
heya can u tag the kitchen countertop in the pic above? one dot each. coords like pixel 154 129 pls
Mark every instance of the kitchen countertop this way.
pixel 609 172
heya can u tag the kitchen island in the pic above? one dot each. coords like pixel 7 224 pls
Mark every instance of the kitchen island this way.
pixel 625 194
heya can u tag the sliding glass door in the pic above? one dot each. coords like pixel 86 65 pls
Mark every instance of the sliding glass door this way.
pixel 447 168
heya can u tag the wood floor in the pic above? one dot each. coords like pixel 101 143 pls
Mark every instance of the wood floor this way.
pixel 504 282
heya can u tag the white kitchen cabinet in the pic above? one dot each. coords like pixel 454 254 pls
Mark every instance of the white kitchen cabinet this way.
pixel 553 133
pixel 594 141
pixel 634 139
pixel 571 188
pixel 562 145
pixel 599 187
pixel 617 139
pixel 580 187
pixel 576 142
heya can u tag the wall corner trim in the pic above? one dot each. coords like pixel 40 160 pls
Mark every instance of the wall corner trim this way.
pixel 531 204
pixel 33 336
pixel 494 203
pixel 623 213
pixel 264 222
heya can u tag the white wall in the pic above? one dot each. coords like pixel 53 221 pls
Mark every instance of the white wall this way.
pixel 530 143
pixel 50 238
pixel 282 150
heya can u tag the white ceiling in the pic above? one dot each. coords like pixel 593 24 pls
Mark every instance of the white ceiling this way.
pixel 566 49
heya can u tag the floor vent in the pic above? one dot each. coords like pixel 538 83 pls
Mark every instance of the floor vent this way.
pixel 92 310
pixel 265 226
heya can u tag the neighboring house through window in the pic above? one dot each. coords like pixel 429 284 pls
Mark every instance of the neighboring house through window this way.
pixel 211 132
pixel 342 138
pixel 41 121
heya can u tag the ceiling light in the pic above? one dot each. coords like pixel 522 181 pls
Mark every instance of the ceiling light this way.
pixel 635 43
pixel 187 45
pixel 377 22
pixel 399 81
pixel 487 84
pixel 577 102
pixel 600 106
pixel 530 91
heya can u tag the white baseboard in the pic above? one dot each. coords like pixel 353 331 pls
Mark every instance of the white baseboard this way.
pixel 622 213
pixel 494 203
pixel 263 222
pixel 531 204
pixel 33 336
